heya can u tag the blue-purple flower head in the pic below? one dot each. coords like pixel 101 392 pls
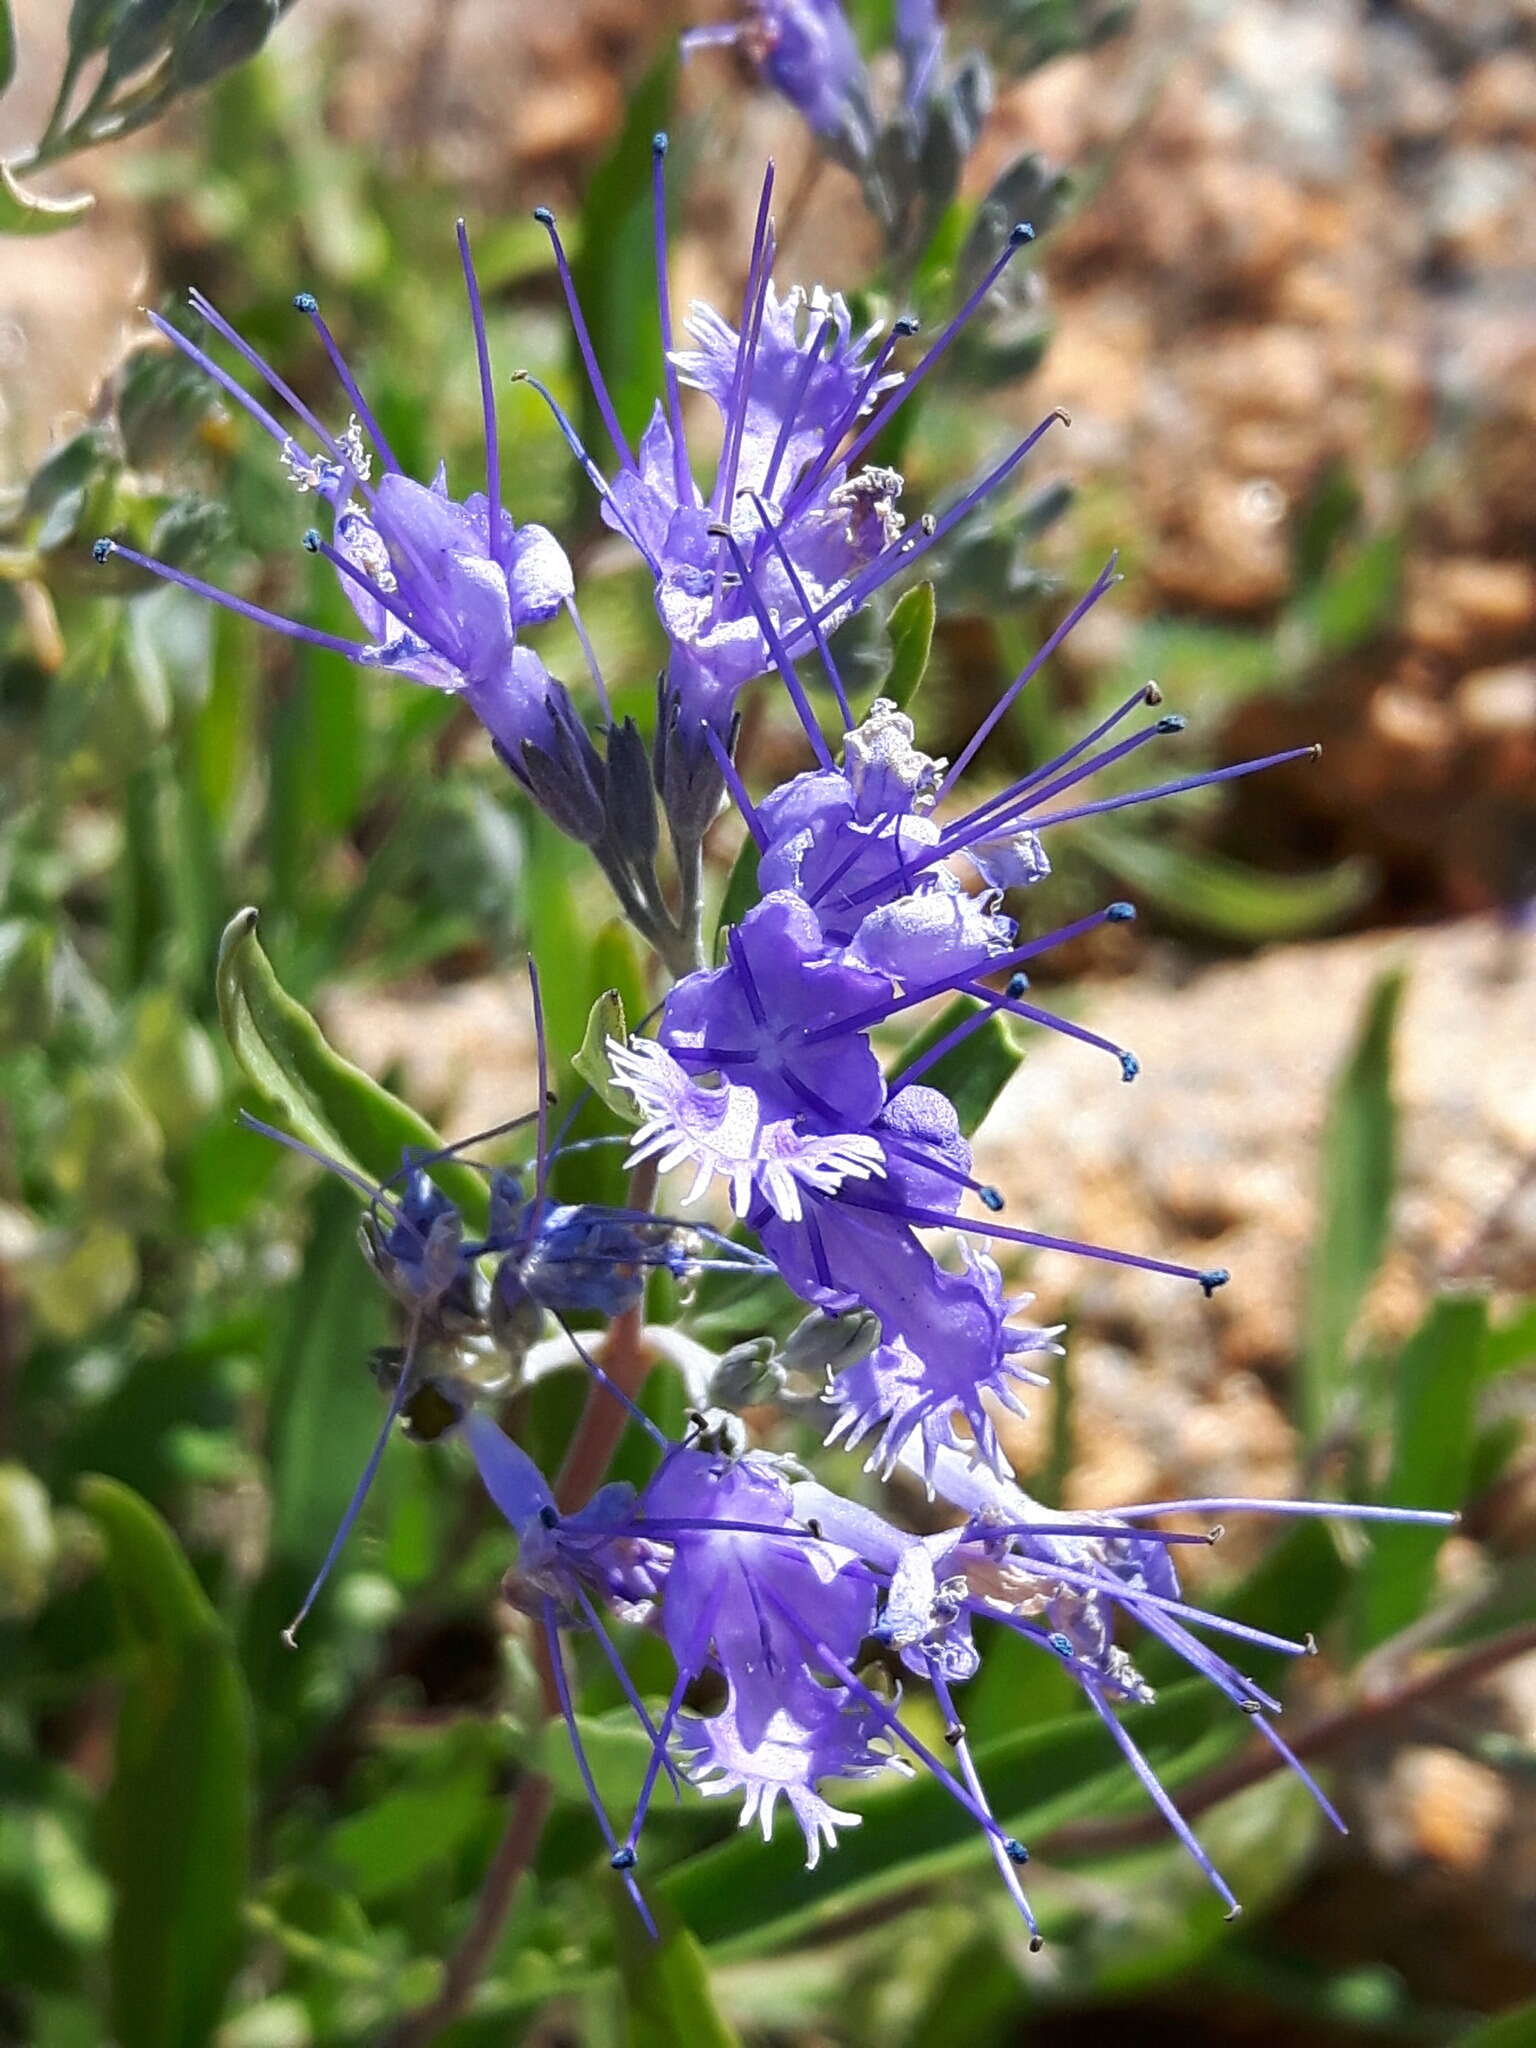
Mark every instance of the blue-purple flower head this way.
pixel 798 528
pixel 444 588
pixel 783 1592
pixel 805 51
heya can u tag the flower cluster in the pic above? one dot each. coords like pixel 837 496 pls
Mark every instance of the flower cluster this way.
pixel 881 887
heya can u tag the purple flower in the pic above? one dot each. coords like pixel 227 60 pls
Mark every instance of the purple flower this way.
pixel 442 587
pixel 804 50
pixel 796 531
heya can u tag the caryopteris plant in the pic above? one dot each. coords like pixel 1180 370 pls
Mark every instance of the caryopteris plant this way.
pixel 770 1074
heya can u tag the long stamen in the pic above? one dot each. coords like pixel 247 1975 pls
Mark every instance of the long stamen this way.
pixel 1346 1510
pixel 1014 812
pixel 1104 580
pixel 578 1750
pixel 937 1219
pixel 104 549
pixel 682 475
pixel 360 1492
pixel 776 648
pixel 1006 1853
pixel 206 310
pixel 307 304
pixel 1130 1066
pixel 746 345
pixel 915 1069
pixel 1188 782
pixel 546 220
pixel 735 785
pixel 1006 799
pixel 776 541
pixel 306 1151
pixel 980 1532
pixel 903 553
pixel 1017 238
pixel 1160 1797
pixel 222 378
pixel 626 1684
pixel 487 395
pixel 611 1386
pixel 590 655
pixel 589 468
pixel 389 601
pixel 658 1761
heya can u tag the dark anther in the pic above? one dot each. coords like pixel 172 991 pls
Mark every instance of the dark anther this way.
pixel 907 324
pixel 1036 1943
pixel 659 142
pixel 549 1517
pixel 1021 233
pixel 305 302
pixel 813 1526
pixel 1017 984
pixel 1235 1914
pixel 1251 1706
pixel 1216 1531
pixel 1315 753
pixel 1309 1643
pixel 1152 694
pixel 1121 913
pixel 622 1859
pixel 1061 1644
pixel 1015 1850
pixel 312 540
pixel 991 1199
pixel 1130 1066
pixel 544 216
pixel 717 531
pixel 1217 1276
pixel 1174 722
pixel 954 1734
pixel 102 549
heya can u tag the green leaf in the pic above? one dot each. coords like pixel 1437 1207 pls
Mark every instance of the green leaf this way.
pixel 29 213
pixel 305 1084
pixel 1513 2029
pixel 910 628
pixel 177 1814
pixel 605 1021
pixel 1359 1173
pixel 666 1991
pixel 1228 897
pixel 973 1073
pixel 1438 1379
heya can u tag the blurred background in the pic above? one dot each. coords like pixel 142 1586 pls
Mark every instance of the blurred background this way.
pixel 1286 287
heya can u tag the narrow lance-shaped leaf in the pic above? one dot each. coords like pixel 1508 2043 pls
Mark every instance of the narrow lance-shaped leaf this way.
pixel 1438 1379
pixel 176 1819
pixel 910 628
pixel 1359 1172
pixel 667 1998
pixel 304 1083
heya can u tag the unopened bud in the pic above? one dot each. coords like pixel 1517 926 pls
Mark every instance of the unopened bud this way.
pixel 748 1376
pixel 824 1343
